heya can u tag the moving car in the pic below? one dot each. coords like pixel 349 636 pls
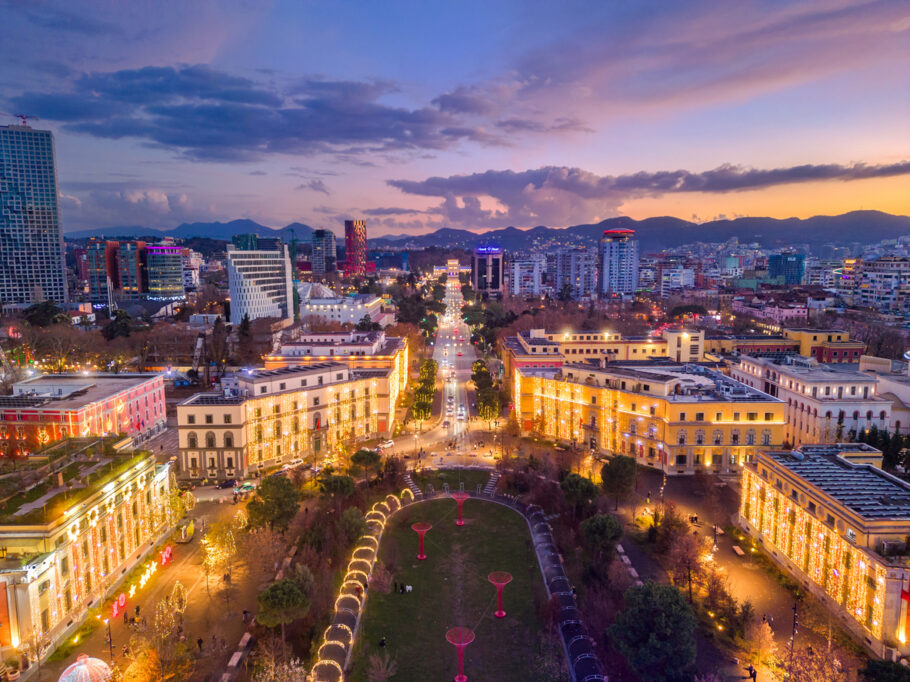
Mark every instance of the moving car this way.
pixel 386 444
pixel 228 483
pixel 247 487
pixel 446 424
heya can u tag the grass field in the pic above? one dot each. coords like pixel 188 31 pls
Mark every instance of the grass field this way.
pixel 454 477
pixel 450 588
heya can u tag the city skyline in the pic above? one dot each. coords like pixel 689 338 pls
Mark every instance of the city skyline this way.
pixel 518 115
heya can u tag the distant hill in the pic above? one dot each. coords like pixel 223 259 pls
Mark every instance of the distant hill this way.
pixel 653 233
pixel 216 230
pixel 660 232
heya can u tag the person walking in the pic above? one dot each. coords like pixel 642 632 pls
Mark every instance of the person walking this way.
pixel 199 643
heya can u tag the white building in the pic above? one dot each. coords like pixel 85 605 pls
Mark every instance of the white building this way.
pixel 526 276
pixel 884 284
pixel 618 263
pixel 260 284
pixel 675 279
pixel 317 300
pixel 577 270
pixel 825 402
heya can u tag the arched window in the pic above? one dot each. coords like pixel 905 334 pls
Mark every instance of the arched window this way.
pixel 897 427
pixel 828 414
pixel 681 438
pixel 718 437
pixel 276 430
pixel 750 437
pixel 633 428
pixel 699 437
pixel 192 441
pixel 229 440
pixel 734 437
pixel 766 437
pixel 295 425
pixel 259 433
pixel 855 415
pixel 869 416
pixel 210 440
pixel 882 415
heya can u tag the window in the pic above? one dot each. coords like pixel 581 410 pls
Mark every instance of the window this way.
pixel 229 440
pixel 593 399
pixel 750 437
pixel 766 437
pixel 209 419
pixel 227 419
pixel 812 507
pixel 263 389
pixel 717 437
pixel 752 416
pixel 315 401
pixel 230 462
pixel 736 416
pixel 699 437
pixel 699 416
pixel 682 416
pixel 717 416
pixel 211 462
pixel 851 535
pixel 281 386
pixel 64 565
pixel 276 409
pixel 191 419
pixel 681 438
pixel 769 416
pixel 210 440
pixel 191 440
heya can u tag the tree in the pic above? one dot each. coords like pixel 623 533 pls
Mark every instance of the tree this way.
pixel 281 603
pixel 264 549
pixel 760 641
pixel 218 550
pixel 366 459
pixel 810 665
pixel 617 477
pixel 44 314
pixel 656 632
pixel 337 486
pixel 382 668
pixel 421 411
pixel 366 324
pixel 119 326
pixel 275 503
pixel 685 559
pixel 601 533
pixel 884 671
pixel 578 491
pixel 352 523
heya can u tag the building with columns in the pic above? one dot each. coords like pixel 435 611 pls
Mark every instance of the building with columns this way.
pixel 839 526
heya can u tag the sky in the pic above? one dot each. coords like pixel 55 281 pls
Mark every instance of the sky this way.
pixel 421 114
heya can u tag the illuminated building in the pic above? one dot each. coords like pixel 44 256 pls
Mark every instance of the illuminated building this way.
pixel 545 348
pixel 266 417
pixel 320 302
pixel 526 276
pixel 358 350
pixel 884 285
pixel 48 408
pixel 826 345
pixel 618 263
pixel 59 560
pixel 487 271
pixel 323 252
pixel 164 265
pixel 355 247
pixel 839 526
pixel 260 284
pixel 825 403
pixel 676 417
pixel 31 244
pixel 575 272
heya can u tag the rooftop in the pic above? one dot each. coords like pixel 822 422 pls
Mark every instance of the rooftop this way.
pixel 70 391
pixel 811 370
pixel 865 489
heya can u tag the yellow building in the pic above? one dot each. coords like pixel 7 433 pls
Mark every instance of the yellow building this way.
pixel 839 525
pixel 671 416
pixel 358 350
pixel 61 557
pixel 265 417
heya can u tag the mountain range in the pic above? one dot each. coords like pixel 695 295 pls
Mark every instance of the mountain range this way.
pixel 652 233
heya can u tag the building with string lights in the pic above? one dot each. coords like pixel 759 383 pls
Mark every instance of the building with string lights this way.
pixel 675 417
pixel 68 552
pixel 48 408
pixel 262 418
pixel 839 525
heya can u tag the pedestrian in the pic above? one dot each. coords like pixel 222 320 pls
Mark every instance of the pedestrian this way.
pixel 137 609
pixel 199 643
pixel 126 617
pixel 246 616
pixel 214 643
pixel 126 651
pixel 382 641
pixel 223 644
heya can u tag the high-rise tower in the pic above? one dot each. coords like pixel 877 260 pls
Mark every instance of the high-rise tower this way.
pixel 31 245
pixel 355 247
pixel 323 255
pixel 618 263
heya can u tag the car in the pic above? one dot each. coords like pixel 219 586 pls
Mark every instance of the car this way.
pixel 227 483
pixel 446 424
pixel 386 444
pixel 247 487
pixel 296 462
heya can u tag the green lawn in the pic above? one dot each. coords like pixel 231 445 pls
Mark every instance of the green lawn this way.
pixel 450 588
pixel 454 477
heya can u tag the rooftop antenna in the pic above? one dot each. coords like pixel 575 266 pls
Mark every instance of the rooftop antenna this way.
pixel 24 119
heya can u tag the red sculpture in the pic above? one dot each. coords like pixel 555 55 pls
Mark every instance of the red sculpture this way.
pixel 460 637
pixel 500 579
pixel 460 497
pixel 421 528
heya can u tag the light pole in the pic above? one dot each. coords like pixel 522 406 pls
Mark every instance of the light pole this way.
pixel 110 640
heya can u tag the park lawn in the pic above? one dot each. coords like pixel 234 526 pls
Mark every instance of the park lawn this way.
pixel 454 477
pixel 450 589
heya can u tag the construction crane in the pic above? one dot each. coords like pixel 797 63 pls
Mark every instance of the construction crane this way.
pixel 25 118
pixel 197 357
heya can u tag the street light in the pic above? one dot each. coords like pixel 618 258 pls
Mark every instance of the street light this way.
pixel 110 640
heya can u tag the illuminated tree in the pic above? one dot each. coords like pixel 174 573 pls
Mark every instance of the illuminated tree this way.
pixel 218 550
pixel 281 603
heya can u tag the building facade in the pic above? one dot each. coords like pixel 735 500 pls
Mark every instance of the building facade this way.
pixel 323 252
pixel 679 418
pixel 837 524
pixel 790 266
pixel 355 247
pixel 884 284
pixel 165 272
pixel 315 412
pixel 31 243
pixel 259 283
pixel 575 273
pixel 825 403
pixel 618 262
pixel 56 566
pixel 487 271
pixel 48 408
pixel 526 276
pixel 675 279
pixel 358 350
